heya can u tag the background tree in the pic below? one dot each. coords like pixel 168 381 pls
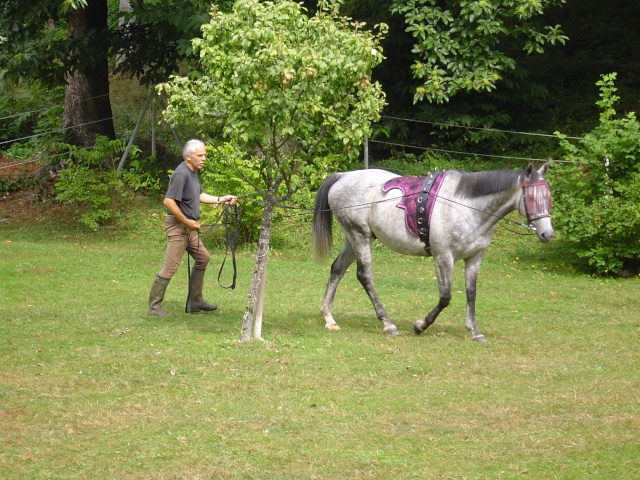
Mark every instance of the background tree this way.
pixel 38 45
pixel 542 93
pixel 474 52
pixel 87 109
pixel 71 43
pixel 459 44
pixel 601 41
pixel 293 93
pixel 62 43
pixel 154 37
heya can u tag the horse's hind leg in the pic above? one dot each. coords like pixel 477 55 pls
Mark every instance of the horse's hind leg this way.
pixel 365 276
pixel 338 268
pixel 444 268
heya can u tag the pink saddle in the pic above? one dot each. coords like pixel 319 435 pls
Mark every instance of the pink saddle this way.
pixel 418 197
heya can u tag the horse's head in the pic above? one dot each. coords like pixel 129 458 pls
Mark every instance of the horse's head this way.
pixel 535 202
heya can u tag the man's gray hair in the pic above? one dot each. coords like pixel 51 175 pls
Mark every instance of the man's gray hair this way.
pixel 191 146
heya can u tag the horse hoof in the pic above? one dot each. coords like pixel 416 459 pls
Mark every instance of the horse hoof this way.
pixel 479 338
pixel 332 326
pixel 392 331
pixel 416 328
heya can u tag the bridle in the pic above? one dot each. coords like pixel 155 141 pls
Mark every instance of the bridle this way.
pixel 536 196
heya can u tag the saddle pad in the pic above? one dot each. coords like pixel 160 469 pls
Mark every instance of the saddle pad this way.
pixel 411 188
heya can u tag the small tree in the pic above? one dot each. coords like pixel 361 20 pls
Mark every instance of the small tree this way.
pixel 293 93
pixel 597 194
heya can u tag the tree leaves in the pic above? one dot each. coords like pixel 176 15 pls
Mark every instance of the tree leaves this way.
pixel 458 43
pixel 280 84
pixel 598 192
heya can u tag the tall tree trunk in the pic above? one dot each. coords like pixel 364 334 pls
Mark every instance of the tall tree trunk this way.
pixel 256 287
pixel 87 109
pixel 125 7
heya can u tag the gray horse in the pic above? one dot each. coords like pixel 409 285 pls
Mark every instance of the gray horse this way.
pixel 452 222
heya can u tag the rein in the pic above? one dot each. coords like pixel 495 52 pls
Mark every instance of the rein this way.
pixel 231 241
pixel 306 211
pixel 536 198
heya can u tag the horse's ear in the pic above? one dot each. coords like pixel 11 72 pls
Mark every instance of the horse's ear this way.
pixel 543 168
pixel 529 170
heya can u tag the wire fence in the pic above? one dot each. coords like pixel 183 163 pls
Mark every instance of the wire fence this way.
pixel 377 141
pixel 46 109
pixel 36 135
pixel 60 130
pixel 485 129
pixel 293 211
pixel 473 154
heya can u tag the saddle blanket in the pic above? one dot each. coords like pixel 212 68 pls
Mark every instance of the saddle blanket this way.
pixel 418 197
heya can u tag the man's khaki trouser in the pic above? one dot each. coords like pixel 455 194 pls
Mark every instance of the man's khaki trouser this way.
pixel 179 240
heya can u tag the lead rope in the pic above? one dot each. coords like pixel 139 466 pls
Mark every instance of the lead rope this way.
pixel 229 246
pixel 231 242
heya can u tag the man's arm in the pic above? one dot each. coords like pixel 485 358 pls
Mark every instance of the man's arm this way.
pixel 213 200
pixel 172 206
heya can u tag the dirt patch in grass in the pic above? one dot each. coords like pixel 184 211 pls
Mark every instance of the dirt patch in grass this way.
pixel 25 204
pixel 11 169
pixel 33 202
pixel 31 206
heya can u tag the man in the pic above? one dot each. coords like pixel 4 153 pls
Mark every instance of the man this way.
pixel 182 200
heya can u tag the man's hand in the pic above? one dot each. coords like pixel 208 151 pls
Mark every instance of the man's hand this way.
pixel 228 200
pixel 192 224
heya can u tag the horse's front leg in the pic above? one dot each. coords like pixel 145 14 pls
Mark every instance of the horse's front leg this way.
pixel 338 268
pixel 471 268
pixel 444 268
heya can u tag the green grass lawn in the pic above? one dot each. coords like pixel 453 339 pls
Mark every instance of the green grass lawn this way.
pixel 90 387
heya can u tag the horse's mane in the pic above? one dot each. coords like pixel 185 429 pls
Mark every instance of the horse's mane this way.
pixel 478 184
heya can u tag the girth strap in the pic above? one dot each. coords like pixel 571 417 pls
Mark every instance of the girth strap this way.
pixel 424 204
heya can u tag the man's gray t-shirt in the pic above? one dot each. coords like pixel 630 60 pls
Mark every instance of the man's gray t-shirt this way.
pixel 185 189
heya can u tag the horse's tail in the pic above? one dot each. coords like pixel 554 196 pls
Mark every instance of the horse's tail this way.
pixel 321 233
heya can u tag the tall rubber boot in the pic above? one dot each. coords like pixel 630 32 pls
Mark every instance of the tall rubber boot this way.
pixel 156 296
pixel 195 302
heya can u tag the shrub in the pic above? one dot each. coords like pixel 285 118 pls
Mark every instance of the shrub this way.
pixel 597 192
pixel 90 179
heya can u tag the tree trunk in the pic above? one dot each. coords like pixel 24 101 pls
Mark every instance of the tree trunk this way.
pixel 255 297
pixel 125 7
pixel 87 109
pixel 257 318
